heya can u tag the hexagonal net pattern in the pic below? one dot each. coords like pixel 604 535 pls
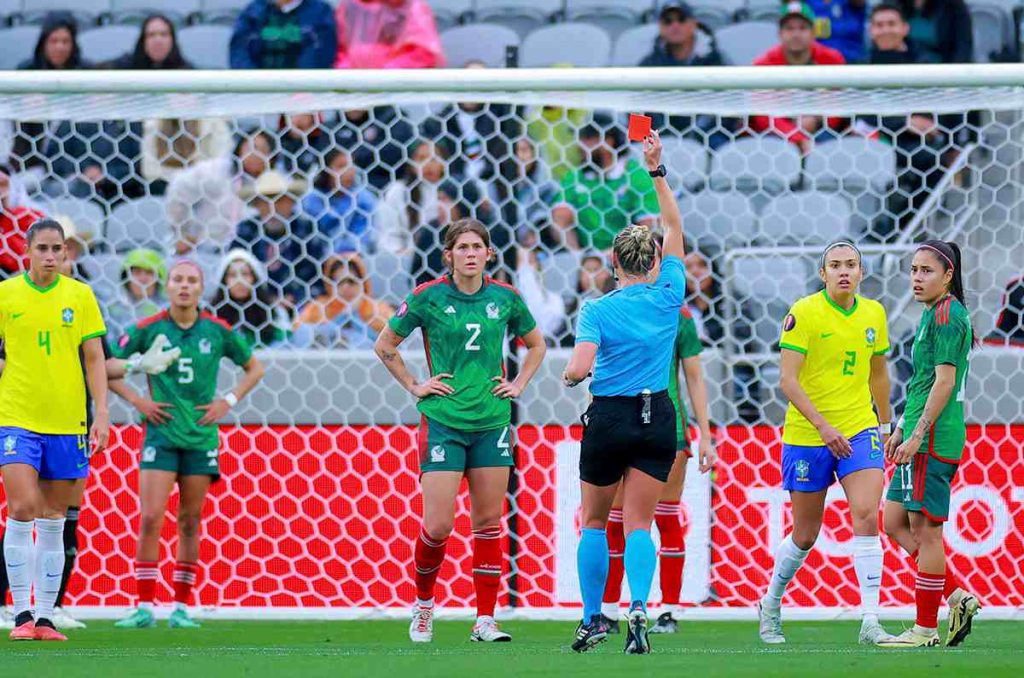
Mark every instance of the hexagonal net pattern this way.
pixel 314 216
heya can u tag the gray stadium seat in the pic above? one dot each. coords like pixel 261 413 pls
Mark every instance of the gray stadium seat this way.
pixel 614 16
pixel 86 11
pixel 222 10
pixel 716 13
pixel 765 10
pixel 482 42
pixel 19 43
pixel 810 218
pixel 138 223
pixel 634 44
pixel 687 163
pixel 741 43
pixel 126 11
pixel 578 44
pixel 765 287
pixel 9 8
pixel 851 164
pixel 992 26
pixel 765 164
pixel 522 16
pixel 107 42
pixel 206 46
pixel 718 221
pixel 389 275
pixel 88 216
pixel 450 12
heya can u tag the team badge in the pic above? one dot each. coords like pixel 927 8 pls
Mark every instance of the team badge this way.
pixel 437 454
pixel 493 311
pixel 803 471
pixel 402 310
pixel 869 335
pixel 205 347
pixel 789 323
pixel 9 443
pixel 67 316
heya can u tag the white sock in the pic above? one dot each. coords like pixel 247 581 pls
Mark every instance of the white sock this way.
pixel 788 559
pixel 18 554
pixel 867 562
pixel 49 564
pixel 610 610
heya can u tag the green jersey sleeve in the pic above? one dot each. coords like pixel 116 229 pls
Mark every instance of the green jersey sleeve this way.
pixel 134 340
pixel 687 342
pixel 949 341
pixel 409 315
pixel 236 348
pixel 520 321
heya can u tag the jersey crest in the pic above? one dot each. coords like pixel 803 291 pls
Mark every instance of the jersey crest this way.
pixel 67 316
pixel 869 336
pixel 493 312
pixel 205 347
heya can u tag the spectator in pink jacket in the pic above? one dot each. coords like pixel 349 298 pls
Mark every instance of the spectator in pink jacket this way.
pixel 387 34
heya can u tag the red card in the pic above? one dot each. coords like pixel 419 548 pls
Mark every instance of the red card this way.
pixel 639 127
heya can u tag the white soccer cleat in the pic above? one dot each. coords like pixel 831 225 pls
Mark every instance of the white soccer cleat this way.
pixel 62 620
pixel 421 630
pixel 486 631
pixel 872 633
pixel 962 608
pixel 910 638
pixel 6 617
pixel 770 625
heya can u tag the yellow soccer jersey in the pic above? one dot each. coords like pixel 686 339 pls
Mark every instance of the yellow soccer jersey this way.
pixel 42 388
pixel 838 346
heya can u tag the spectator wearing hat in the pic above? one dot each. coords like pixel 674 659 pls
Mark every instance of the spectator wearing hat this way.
pixel 286 242
pixel 841 24
pixel 244 301
pixel 387 34
pixel 284 34
pixel 140 293
pixel 797 47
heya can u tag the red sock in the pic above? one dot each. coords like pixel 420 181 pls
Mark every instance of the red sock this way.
pixel 673 554
pixel 429 556
pixel 184 580
pixel 952 582
pixel 928 596
pixel 616 549
pixel 145 577
pixel 486 569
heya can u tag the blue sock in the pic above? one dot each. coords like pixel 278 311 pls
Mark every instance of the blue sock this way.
pixel 592 567
pixel 640 560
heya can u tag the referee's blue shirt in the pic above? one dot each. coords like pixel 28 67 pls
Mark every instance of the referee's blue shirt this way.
pixel 635 332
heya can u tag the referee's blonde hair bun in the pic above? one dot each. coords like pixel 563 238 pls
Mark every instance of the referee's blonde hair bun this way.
pixel 635 250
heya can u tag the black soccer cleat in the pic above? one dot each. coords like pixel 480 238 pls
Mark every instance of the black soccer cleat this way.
pixel 589 636
pixel 665 624
pixel 611 625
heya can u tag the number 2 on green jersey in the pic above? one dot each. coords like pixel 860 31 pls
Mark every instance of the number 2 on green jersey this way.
pixel 474 334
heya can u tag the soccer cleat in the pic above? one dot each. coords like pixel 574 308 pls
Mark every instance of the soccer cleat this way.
pixel 665 624
pixel 611 625
pixel 24 631
pixel 421 630
pixel 590 635
pixel 486 631
pixel 872 633
pixel 6 618
pixel 911 638
pixel 139 619
pixel 637 641
pixel 44 630
pixel 179 619
pixel 770 625
pixel 62 620
pixel 962 608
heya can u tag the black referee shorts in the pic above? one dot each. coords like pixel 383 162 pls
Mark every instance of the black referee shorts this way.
pixel 616 437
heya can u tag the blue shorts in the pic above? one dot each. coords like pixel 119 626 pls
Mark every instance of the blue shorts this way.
pixel 812 468
pixel 54 457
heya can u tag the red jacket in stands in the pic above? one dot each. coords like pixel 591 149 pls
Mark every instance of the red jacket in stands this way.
pixel 14 224
pixel 788 127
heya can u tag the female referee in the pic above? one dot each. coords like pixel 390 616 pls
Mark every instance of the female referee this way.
pixel 466 412
pixel 917 503
pixel 833 366
pixel 627 338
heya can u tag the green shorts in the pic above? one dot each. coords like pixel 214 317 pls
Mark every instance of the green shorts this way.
pixel 181 461
pixel 443 448
pixel 924 485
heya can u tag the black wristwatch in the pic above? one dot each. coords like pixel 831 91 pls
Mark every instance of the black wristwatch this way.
pixel 660 172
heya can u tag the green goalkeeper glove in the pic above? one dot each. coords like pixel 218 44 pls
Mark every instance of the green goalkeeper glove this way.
pixel 155 360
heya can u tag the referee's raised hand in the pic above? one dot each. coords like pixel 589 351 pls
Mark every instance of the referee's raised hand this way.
pixel 652 151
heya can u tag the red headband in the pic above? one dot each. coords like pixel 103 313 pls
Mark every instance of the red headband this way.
pixel 940 253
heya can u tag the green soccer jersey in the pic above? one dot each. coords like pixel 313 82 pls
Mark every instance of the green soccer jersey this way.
pixel 191 380
pixel 464 335
pixel 605 203
pixel 943 338
pixel 687 346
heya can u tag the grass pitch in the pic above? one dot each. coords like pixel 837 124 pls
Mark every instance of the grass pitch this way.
pixel 381 648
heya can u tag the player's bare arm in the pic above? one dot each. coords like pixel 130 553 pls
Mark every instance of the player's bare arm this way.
pixel 215 411
pixel 671 219
pixel 698 392
pixel 938 397
pixel 581 363
pixel 96 379
pixel 789 368
pixel 386 348
pixel 535 351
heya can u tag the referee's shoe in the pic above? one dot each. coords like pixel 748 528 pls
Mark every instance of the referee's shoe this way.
pixel 590 635
pixel 637 641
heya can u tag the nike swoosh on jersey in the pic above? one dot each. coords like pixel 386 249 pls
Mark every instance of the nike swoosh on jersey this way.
pixel 826 335
pixel 15 316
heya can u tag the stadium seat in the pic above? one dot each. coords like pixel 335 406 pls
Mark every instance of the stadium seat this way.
pixel 87 215
pixel 578 44
pixel 764 287
pixel 763 10
pixel 810 218
pixel 687 163
pixel 992 25
pixel 717 221
pixel 634 44
pixel 85 11
pixel 851 164
pixel 107 42
pixel 614 16
pixel 482 42
pixel 19 43
pixel 716 13
pixel 522 16
pixel 751 164
pixel 448 13
pixel 389 275
pixel 138 223
pixel 741 43
pixel 222 11
pixel 206 46
pixel 135 11
pixel 10 9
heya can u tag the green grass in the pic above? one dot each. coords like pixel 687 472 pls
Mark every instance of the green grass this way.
pixel 338 649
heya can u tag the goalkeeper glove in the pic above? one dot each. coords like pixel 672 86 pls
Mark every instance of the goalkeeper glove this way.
pixel 155 360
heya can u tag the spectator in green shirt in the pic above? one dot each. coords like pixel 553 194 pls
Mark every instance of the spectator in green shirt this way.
pixel 605 194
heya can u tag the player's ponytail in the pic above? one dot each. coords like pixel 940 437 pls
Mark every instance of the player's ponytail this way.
pixel 635 250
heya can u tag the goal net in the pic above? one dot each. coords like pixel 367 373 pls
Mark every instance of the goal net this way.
pixel 316 201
